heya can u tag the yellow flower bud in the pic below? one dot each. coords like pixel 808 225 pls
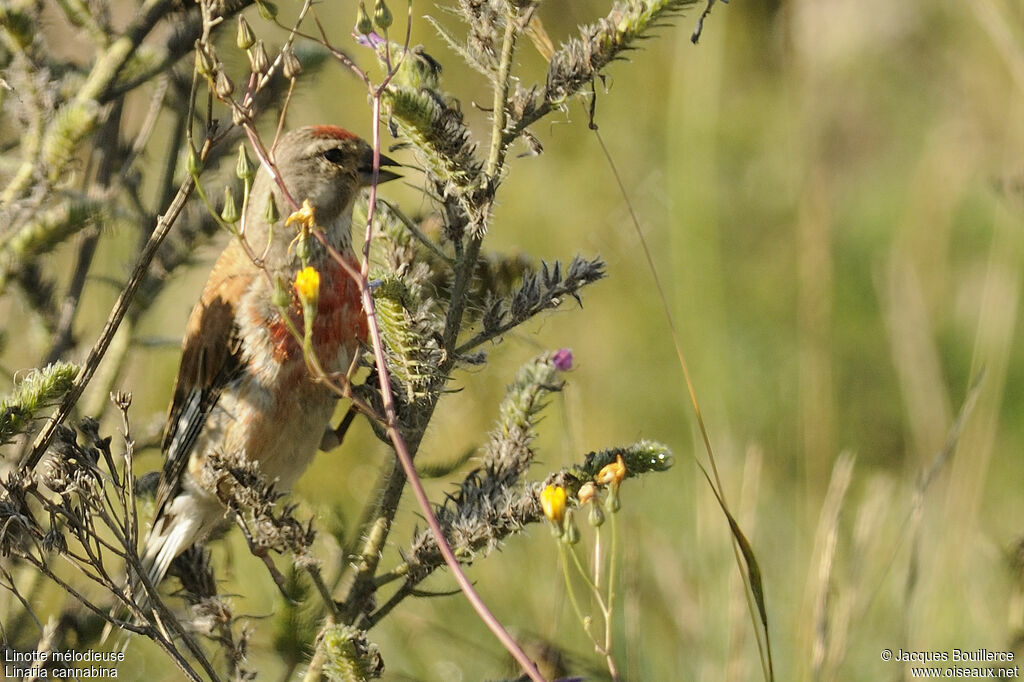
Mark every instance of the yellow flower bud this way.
pixel 307 285
pixel 552 501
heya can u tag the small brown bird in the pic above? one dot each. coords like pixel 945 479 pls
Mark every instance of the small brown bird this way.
pixel 243 386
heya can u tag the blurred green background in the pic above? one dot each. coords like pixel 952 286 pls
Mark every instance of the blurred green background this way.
pixel 832 194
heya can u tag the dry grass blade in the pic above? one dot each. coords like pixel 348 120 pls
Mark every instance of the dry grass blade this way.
pixel 825 543
pixel 914 514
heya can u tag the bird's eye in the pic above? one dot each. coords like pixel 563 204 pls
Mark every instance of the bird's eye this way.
pixel 334 155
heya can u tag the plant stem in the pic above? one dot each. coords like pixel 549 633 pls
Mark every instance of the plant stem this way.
pixel 163 227
pixel 401 449
pixel 495 162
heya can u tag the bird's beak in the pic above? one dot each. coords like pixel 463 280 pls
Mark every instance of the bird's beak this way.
pixel 366 172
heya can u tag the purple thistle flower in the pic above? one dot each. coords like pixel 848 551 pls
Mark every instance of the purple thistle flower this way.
pixel 371 39
pixel 562 359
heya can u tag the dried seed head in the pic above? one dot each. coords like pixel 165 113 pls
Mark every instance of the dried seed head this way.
pixel 258 59
pixel 54 541
pixel 205 63
pixel 240 115
pixel 223 86
pixel 290 63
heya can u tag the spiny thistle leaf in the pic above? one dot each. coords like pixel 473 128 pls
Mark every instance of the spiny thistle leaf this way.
pixel 539 291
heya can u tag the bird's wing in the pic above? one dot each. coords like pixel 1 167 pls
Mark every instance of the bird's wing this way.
pixel 211 358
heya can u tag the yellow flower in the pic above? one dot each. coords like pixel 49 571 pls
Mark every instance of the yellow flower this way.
pixel 307 285
pixel 304 216
pixel 612 473
pixel 552 501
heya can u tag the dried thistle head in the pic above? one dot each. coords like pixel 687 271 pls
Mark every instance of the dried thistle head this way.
pixel 242 487
pixel 17 521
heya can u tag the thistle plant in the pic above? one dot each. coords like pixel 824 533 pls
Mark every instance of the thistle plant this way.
pixel 434 299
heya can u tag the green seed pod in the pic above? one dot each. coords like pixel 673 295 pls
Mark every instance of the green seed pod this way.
pixel 303 249
pixel 192 163
pixel 612 503
pixel 270 212
pixel 363 24
pixel 282 297
pixel 267 9
pixel 229 213
pixel 382 15
pixel 572 532
pixel 596 516
pixel 244 169
pixel 245 37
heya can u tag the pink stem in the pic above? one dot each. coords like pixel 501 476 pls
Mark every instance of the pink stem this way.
pixel 402 450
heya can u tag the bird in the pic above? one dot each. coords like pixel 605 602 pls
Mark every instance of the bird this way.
pixel 243 386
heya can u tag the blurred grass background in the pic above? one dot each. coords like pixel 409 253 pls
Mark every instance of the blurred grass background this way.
pixel 832 192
